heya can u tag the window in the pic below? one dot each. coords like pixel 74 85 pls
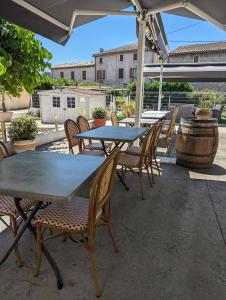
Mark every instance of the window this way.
pixel 133 72
pixel 72 75
pixel 196 59
pixel 100 74
pixel 70 102
pixel 101 60
pixel 120 73
pixel 134 56
pixel 121 57
pixel 35 100
pixel 83 75
pixel 56 101
pixel 61 74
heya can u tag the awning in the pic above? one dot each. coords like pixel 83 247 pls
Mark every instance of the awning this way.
pixel 188 72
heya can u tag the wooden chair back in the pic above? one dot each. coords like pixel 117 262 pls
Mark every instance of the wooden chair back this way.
pixel 114 119
pixel 170 131
pixel 100 192
pixel 147 142
pixel 158 129
pixel 83 124
pixel 71 129
pixel 3 151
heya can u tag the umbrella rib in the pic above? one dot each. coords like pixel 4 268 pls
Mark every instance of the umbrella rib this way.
pixel 41 14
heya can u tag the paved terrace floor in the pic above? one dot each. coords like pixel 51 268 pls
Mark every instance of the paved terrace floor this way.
pixel 172 244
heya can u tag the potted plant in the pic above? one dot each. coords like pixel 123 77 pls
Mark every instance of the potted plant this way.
pixel 99 116
pixel 22 132
pixel 206 103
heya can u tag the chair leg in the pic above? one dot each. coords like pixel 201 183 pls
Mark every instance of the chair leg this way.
pixel 141 183
pixel 94 273
pixel 157 166
pixel 112 235
pixel 17 251
pixel 149 177
pixel 39 249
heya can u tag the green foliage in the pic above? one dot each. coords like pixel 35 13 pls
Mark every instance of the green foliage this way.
pixel 22 128
pixel 99 113
pixel 129 109
pixel 22 59
pixel 208 98
pixel 166 86
pixel 120 101
pixel 88 83
pixel 48 83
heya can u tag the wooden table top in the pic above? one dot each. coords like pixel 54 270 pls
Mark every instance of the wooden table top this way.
pixel 46 176
pixel 142 121
pixel 113 133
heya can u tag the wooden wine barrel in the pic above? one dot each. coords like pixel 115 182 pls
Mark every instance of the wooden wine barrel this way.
pixel 197 142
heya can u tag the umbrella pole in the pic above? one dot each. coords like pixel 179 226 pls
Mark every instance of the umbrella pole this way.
pixel 140 69
pixel 160 87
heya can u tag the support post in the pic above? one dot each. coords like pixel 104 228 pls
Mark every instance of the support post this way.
pixel 160 87
pixel 140 69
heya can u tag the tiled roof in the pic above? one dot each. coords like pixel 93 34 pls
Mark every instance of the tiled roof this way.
pixel 74 65
pixel 199 48
pixel 126 48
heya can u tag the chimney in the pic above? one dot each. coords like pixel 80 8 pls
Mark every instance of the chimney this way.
pixel 101 49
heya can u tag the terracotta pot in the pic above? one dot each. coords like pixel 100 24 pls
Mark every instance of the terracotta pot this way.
pixel 24 145
pixel 6 116
pixel 99 122
pixel 203 113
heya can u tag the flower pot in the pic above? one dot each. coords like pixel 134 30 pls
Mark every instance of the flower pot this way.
pixel 6 116
pixel 24 145
pixel 203 113
pixel 99 122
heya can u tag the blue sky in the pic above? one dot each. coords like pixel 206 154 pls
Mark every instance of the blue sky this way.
pixel 115 31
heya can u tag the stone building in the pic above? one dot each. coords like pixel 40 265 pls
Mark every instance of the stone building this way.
pixel 114 67
pixel 75 71
pixel 199 53
pixel 118 66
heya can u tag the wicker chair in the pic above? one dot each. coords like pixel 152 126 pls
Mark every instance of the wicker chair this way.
pixel 165 139
pixel 71 129
pixel 79 218
pixel 140 161
pixel 83 125
pixel 114 119
pixel 8 208
pixel 136 150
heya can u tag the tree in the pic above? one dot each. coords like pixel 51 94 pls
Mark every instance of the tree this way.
pixel 22 60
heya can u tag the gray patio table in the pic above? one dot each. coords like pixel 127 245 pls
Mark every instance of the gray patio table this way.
pixel 118 134
pixel 44 177
pixel 130 121
pixel 155 114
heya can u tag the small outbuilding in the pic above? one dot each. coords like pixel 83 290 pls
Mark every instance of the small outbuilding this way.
pixel 61 104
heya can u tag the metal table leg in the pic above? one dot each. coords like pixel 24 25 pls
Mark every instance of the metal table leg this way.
pixel 27 225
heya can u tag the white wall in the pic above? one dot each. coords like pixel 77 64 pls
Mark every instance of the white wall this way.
pixel 84 103
pixel 90 73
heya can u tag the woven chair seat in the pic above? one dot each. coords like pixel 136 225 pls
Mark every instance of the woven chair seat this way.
pixel 135 150
pixel 97 146
pixel 129 160
pixel 71 216
pixel 7 206
pixel 165 129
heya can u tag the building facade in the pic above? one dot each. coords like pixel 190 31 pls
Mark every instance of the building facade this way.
pixel 118 66
pixel 114 67
pixel 82 71
pixel 199 53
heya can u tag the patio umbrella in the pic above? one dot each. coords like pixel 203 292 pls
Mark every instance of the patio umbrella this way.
pixel 55 19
